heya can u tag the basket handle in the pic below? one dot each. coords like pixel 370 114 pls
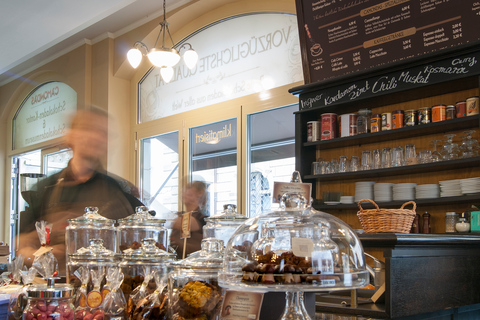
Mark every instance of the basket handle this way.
pixel 409 202
pixel 367 200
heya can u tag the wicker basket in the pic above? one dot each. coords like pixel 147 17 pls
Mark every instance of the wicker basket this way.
pixel 386 220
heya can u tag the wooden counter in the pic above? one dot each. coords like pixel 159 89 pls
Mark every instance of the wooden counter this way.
pixel 427 276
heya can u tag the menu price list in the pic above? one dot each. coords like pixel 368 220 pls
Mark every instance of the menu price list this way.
pixel 345 36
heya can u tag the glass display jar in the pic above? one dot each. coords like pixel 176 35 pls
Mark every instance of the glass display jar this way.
pixel 293 250
pixel 94 257
pixel 363 121
pixel 138 226
pixel 91 225
pixel 193 285
pixel 146 259
pixel 49 301
pixel 222 226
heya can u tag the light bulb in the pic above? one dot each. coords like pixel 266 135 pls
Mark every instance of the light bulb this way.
pixel 190 57
pixel 134 56
pixel 163 57
pixel 166 73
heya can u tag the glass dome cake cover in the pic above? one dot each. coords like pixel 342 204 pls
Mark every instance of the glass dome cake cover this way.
pixel 294 249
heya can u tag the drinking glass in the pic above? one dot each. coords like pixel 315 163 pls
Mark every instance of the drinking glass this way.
pixel 386 157
pixel 469 145
pixel 376 159
pixel 354 164
pixel 410 154
pixel 334 166
pixel 425 156
pixel 450 150
pixel 315 168
pixel 366 160
pixel 343 164
pixel 436 156
pixel 397 157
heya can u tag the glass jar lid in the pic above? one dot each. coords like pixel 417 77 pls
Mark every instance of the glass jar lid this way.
pixel 91 217
pixel 50 290
pixel 209 258
pixel 148 251
pixel 141 217
pixel 95 251
pixel 229 214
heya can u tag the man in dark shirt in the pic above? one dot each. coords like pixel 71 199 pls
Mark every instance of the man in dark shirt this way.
pixel 83 183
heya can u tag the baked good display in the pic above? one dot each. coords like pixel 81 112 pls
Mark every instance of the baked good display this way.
pixel 197 300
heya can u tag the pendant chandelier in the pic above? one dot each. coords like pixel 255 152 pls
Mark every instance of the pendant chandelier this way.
pixel 164 58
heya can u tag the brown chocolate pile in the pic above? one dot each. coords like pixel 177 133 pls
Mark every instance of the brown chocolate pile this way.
pixel 197 300
pixel 137 245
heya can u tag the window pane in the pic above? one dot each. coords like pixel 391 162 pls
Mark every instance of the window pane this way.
pixel 271 148
pixel 214 160
pixel 159 174
pixel 54 162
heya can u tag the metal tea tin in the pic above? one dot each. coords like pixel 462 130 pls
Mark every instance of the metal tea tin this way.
pixel 313 131
pixel 461 108
pixel 329 126
pixel 450 112
pixel 410 118
pixel 424 115
pixel 376 123
pixel 472 106
pixel 438 113
pixel 397 119
pixel 386 121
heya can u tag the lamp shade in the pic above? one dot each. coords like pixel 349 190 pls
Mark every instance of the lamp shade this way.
pixel 166 73
pixel 163 57
pixel 134 56
pixel 190 57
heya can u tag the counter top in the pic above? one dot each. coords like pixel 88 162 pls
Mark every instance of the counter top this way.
pixel 382 240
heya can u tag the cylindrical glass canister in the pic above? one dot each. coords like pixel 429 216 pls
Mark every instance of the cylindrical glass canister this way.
pixel 472 106
pixel 348 125
pixel 313 131
pixel 424 115
pixel 49 301
pixel 461 107
pixel 376 123
pixel 397 119
pixel 386 121
pixel 329 126
pixel 363 121
pixel 450 112
pixel 451 219
pixel 439 112
pixel 410 118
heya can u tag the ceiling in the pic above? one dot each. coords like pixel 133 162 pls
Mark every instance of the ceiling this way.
pixel 35 32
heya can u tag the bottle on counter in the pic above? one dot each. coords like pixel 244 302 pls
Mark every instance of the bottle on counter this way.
pixel 426 222
pixel 451 219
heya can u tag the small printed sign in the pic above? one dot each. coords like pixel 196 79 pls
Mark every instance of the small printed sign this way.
pixel 241 305
pixel 281 188
pixel 186 218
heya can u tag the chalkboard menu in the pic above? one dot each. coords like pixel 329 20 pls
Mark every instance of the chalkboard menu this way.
pixel 345 36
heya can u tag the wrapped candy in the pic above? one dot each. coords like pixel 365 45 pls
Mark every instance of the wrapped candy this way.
pixel 89 305
pixel 153 306
pixel 94 297
pixel 141 291
pixel 18 299
pixel 114 302
pixel 83 274
pixel 44 261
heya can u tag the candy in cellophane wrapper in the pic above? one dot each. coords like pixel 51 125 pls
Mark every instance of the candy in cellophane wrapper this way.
pixel 114 302
pixel 141 291
pixel 153 306
pixel 18 299
pixel 89 304
pixel 44 261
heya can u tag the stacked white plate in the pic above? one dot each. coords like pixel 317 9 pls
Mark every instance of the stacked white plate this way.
pixel 347 199
pixel 471 185
pixel 427 191
pixel 363 190
pixel 383 192
pixel 450 188
pixel 404 191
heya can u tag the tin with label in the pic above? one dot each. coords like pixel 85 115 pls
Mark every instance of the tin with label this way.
pixel 397 119
pixel 450 112
pixel 424 115
pixel 313 131
pixel 329 126
pixel 348 124
pixel 461 107
pixel 376 123
pixel 410 118
pixel 472 106
pixel 438 113
pixel 386 121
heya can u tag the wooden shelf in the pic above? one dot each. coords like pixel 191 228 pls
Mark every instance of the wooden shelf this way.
pixel 401 133
pixel 395 171
pixel 470 198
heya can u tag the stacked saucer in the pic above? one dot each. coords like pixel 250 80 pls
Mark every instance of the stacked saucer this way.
pixel 363 190
pixel 471 185
pixel 427 191
pixel 450 188
pixel 404 191
pixel 383 192
pixel 347 199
